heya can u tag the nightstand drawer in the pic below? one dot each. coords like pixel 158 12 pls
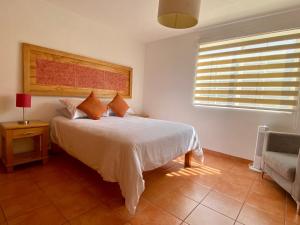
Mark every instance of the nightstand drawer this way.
pixel 30 132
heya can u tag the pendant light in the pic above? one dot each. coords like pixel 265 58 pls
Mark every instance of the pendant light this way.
pixel 178 14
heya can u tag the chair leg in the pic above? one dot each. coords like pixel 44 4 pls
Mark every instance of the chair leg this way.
pixel 298 208
pixel 262 171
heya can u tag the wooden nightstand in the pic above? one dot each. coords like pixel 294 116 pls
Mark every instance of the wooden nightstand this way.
pixel 38 130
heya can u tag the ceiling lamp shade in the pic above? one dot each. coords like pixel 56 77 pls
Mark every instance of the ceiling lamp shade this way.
pixel 179 14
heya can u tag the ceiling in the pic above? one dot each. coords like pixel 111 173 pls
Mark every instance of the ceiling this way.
pixel 138 18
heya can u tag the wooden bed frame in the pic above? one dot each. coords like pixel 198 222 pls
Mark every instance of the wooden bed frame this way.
pixel 187 157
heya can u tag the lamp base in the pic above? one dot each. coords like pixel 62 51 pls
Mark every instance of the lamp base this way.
pixel 23 122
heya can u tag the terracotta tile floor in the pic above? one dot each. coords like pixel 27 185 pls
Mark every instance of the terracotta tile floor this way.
pixel 219 191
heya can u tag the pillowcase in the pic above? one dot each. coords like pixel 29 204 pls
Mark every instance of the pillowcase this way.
pixel 118 106
pixel 64 112
pixel 92 107
pixel 128 113
pixel 71 107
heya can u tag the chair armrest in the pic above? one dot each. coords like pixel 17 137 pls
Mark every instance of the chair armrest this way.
pixel 282 142
pixel 296 185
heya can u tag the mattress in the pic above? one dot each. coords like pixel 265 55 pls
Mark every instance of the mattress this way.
pixel 120 149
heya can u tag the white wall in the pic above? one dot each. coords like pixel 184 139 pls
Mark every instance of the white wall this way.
pixel 169 80
pixel 41 23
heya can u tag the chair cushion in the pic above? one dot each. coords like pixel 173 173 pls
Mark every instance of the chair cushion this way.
pixel 283 163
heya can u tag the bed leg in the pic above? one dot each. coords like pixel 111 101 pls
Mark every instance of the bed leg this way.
pixel 188 159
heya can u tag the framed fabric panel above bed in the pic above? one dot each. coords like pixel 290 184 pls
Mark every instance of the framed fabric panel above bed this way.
pixel 56 73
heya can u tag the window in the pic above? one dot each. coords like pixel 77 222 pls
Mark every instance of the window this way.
pixel 260 72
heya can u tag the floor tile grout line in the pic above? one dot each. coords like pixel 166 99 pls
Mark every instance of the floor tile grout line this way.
pixel 81 214
pixel 5 217
pixel 253 183
pixel 183 220
pixel 244 202
pixel 29 211
pixel 285 208
pixel 98 205
pixel 192 198
pixel 230 198
pixel 12 181
pixel 235 220
pixel 169 213
pixel 54 204
pixel 198 204
pixel 218 212
pixel 212 189
pixel 51 201
pixel 196 184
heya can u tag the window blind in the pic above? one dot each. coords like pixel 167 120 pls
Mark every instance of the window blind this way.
pixel 260 72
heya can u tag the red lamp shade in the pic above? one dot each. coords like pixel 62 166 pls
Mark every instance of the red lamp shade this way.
pixel 23 100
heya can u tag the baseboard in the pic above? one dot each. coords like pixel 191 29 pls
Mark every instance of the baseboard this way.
pixel 221 154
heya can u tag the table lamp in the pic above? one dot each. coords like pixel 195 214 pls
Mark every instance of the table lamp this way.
pixel 23 100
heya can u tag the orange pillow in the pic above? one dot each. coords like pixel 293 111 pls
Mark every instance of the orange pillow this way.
pixel 92 107
pixel 118 105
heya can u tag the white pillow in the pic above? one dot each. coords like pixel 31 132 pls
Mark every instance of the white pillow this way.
pixel 129 112
pixel 64 112
pixel 71 106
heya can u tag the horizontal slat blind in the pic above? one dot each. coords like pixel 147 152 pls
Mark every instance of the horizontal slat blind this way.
pixel 255 72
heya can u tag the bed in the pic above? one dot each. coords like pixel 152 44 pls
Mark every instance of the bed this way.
pixel 120 149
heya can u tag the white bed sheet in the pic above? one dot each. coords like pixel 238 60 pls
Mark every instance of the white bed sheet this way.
pixel 120 149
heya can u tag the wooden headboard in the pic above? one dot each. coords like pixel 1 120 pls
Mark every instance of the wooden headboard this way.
pixel 48 72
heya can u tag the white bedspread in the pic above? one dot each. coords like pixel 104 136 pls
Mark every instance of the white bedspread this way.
pixel 120 149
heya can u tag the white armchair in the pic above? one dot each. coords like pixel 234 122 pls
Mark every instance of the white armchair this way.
pixel 281 159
